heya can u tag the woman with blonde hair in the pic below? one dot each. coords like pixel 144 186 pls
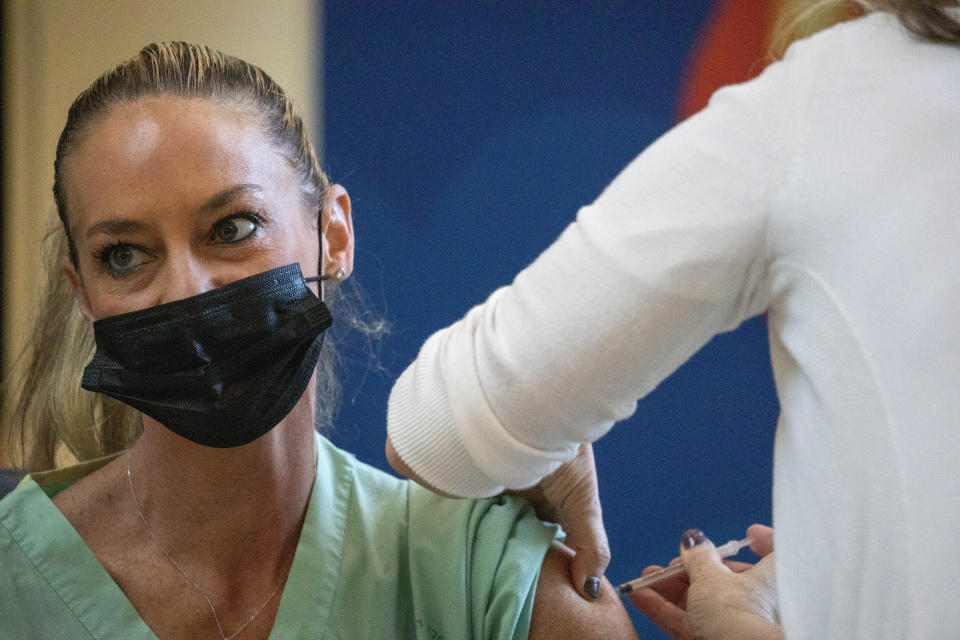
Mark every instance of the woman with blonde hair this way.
pixel 200 248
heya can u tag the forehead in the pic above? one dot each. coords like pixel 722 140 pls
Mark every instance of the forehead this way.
pixel 169 151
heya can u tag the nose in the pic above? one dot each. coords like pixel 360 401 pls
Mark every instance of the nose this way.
pixel 185 277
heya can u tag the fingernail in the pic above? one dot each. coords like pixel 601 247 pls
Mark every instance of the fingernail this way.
pixel 691 538
pixel 592 587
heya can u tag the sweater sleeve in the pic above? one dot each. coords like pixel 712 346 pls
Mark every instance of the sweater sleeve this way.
pixel 671 253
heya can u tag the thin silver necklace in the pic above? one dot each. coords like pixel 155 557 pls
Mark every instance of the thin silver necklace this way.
pixel 213 610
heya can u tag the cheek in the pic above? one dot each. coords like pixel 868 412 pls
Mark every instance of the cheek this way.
pixel 305 241
pixel 290 240
pixel 104 304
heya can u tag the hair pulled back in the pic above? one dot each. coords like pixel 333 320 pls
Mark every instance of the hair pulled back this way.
pixel 191 71
pixel 48 410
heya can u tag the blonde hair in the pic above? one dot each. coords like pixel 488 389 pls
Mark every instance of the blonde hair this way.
pixel 49 409
pixel 935 20
pixel 928 19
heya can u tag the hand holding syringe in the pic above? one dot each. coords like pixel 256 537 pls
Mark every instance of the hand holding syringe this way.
pixel 727 550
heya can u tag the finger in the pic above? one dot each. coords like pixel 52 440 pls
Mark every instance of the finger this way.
pixel 673 590
pixel 663 613
pixel 700 557
pixel 762 539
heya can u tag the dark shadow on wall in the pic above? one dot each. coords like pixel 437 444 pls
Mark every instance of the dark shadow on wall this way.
pixel 3 213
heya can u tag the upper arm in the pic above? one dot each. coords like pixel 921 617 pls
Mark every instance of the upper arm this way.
pixel 559 612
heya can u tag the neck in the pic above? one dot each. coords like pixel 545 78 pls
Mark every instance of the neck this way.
pixel 231 511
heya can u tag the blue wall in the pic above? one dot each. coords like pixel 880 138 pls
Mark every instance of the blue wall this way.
pixel 468 135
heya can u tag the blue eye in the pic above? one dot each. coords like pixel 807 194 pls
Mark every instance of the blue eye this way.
pixel 234 229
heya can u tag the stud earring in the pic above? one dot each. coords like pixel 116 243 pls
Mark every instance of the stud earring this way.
pixel 340 274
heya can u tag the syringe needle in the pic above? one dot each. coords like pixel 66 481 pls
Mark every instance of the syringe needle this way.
pixel 731 548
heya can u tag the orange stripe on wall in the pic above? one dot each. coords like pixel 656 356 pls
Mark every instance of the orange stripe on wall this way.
pixel 732 48
pixel 735 43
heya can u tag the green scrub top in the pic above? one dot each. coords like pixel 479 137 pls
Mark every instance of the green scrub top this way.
pixel 378 558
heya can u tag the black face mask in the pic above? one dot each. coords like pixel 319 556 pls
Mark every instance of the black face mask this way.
pixel 221 368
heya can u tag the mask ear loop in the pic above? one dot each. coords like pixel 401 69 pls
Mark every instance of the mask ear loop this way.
pixel 322 277
pixel 318 279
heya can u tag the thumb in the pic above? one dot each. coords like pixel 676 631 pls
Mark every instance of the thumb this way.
pixel 699 556
pixel 573 495
pixel 589 541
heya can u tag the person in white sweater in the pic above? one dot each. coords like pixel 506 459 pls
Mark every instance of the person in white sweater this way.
pixel 824 193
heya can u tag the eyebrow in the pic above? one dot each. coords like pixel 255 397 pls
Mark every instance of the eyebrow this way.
pixel 225 196
pixel 114 227
pixel 121 226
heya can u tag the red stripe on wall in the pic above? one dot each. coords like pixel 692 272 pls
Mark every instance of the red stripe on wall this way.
pixel 732 48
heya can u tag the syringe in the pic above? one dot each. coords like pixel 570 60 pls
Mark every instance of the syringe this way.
pixel 731 548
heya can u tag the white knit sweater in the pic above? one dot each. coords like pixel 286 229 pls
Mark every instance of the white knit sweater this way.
pixel 825 192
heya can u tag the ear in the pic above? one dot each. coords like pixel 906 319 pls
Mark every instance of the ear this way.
pixel 337 226
pixel 78 289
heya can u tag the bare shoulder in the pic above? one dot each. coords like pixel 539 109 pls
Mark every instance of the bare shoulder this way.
pixel 559 611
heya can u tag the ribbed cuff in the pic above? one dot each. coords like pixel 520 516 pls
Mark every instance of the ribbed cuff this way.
pixel 424 434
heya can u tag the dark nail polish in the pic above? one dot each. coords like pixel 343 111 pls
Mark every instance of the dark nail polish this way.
pixel 691 538
pixel 592 587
